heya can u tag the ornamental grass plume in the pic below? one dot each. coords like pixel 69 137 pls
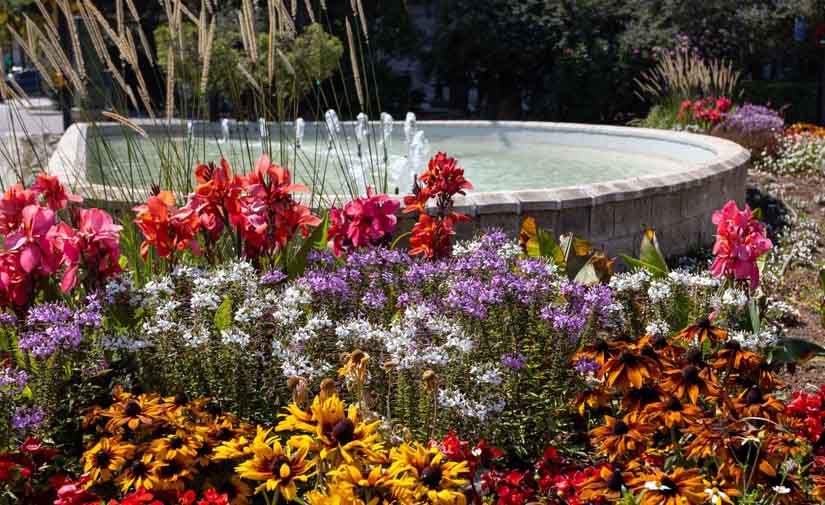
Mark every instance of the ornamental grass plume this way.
pixel 740 241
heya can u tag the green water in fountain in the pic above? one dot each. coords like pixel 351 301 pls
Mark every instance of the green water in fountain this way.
pixel 494 158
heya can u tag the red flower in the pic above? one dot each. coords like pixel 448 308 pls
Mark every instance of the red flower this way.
pixel 14 200
pixel 211 497
pixel 15 283
pixel 443 175
pixel 37 253
pixel 363 222
pixel 165 227
pixel 55 194
pixel 7 469
pixel 139 497
pixel 216 197
pixel 95 245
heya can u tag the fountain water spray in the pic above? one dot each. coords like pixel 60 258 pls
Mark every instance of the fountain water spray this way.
pixel 299 131
pixel 333 125
pixel 404 170
pixel 409 127
pixel 224 130
pixel 360 132
pixel 189 127
pixel 262 128
pixel 386 130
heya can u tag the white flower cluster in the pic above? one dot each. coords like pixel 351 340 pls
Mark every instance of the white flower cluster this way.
pixel 659 292
pixel 731 299
pixel 794 154
pixel 782 312
pixel 755 341
pixel 454 399
pixel 657 328
pixel 693 280
pixel 630 282
pixel 487 374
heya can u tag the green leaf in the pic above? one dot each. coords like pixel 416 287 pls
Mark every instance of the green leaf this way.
pixel 296 266
pixel 755 318
pixel 634 263
pixel 650 253
pixel 223 316
pixel 795 350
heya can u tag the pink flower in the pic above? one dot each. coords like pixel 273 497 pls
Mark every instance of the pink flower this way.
pixel 740 241
pixel 12 204
pixel 15 284
pixel 363 222
pixel 95 245
pixel 37 253
pixel 55 193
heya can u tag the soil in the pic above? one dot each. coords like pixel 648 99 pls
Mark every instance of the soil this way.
pixel 779 197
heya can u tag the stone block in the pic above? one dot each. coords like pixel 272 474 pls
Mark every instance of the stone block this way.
pixel 601 221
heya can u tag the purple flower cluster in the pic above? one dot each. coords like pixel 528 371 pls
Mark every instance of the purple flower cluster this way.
pixel 514 360
pixel 585 366
pixel 27 418
pixel 582 304
pixel 12 382
pixel 52 327
pixel 273 277
pixel 752 119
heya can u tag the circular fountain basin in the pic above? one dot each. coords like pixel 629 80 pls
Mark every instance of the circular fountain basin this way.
pixel 603 183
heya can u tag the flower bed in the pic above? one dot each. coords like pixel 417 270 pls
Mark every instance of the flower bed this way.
pixel 238 348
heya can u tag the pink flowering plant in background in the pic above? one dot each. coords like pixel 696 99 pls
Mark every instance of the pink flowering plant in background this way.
pixel 41 235
pixel 740 241
pixel 363 222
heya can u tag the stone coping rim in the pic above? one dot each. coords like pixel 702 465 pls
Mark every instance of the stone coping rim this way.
pixel 728 157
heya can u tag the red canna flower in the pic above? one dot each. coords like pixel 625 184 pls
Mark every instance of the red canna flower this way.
pixel 37 253
pixel 740 241
pixel 95 246
pixel 54 193
pixel 216 198
pixel 165 227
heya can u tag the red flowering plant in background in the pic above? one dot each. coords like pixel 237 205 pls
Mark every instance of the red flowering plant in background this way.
pixel 41 235
pixel 740 241
pixel 706 112
pixel 810 409
pixel 432 236
pixel 363 222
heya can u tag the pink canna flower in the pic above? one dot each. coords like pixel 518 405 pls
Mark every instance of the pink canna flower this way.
pixel 53 192
pixel 15 284
pixel 363 222
pixel 14 200
pixel 95 246
pixel 37 252
pixel 740 241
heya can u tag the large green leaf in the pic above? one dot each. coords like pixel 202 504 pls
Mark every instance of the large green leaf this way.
pixel 650 254
pixel 223 316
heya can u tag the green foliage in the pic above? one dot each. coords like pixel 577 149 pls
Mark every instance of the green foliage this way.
pixel 650 257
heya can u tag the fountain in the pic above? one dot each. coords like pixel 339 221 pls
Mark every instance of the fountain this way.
pixel 299 132
pixel 189 128
pixel 604 183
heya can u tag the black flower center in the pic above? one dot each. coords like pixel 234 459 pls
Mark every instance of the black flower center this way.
pixel 733 345
pixel 431 476
pixel 620 428
pixel 704 323
pixel 601 345
pixel 176 442
pixel 223 434
pixel 277 463
pixel 169 470
pixel 753 396
pixel 649 351
pixel 344 431
pixel 615 481
pixel 181 399
pixel 139 469
pixel 668 483
pixel 102 459
pixel 694 356
pixel 674 405
pixel 690 373
pixel 132 409
pixel 229 490
pixel 660 342
pixel 628 358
